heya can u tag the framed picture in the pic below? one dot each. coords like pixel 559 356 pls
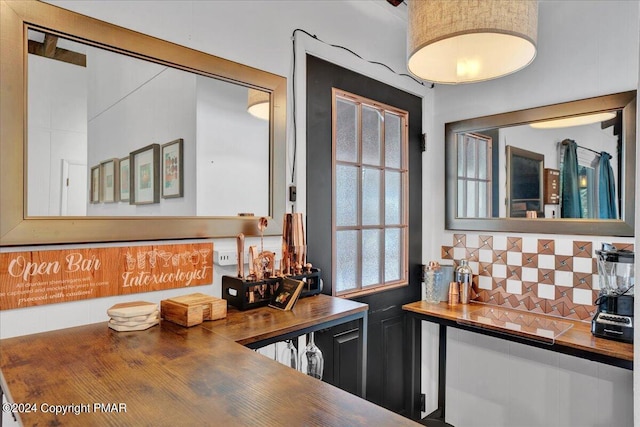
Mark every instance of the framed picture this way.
pixel 125 179
pixel 109 178
pixel 144 175
pixel 94 196
pixel 172 181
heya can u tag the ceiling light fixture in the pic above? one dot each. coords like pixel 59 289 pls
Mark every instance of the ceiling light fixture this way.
pixel 464 41
pixel 258 103
pixel 574 121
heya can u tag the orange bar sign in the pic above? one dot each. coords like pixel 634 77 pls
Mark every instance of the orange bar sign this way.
pixel 48 277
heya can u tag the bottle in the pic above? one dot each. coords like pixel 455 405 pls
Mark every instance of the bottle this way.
pixel 432 282
pixel 463 276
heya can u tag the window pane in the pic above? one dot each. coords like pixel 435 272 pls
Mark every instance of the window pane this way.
pixel 371 263
pixel 371 196
pixel 346 195
pixel 483 207
pixel 346 260
pixel 482 158
pixel 472 199
pixel 470 154
pixel 460 154
pixel 461 199
pixel 392 138
pixel 346 131
pixel 370 136
pixel 393 254
pixel 392 197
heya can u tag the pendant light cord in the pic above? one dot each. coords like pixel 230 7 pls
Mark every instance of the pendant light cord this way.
pixel 293 85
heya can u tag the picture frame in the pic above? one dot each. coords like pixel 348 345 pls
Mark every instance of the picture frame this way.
pixel 172 169
pixel 109 180
pixel 125 179
pixel 94 185
pixel 145 175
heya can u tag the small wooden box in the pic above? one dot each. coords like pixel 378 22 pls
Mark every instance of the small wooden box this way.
pixel 193 309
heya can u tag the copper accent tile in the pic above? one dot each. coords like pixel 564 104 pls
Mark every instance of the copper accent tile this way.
pixel 594 297
pixel 582 312
pixel 528 303
pixel 513 301
pixel 485 242
pixel 485 268
pixel 499 257
pixel 561 309
pixel 499 284
pixel 498 297
pixel 530 287
pixel 594 265
pixel 472 254
pixel 564 263
pixel 582 249
pixel 514 272
pixel 583 280
pixel 483 296
pixel 459 240
pixel 447 252
pixel 530 260
pixel 514 244
pixel 546 247
pixel 564 293
pixel 624 246
pixel 546 306
pixel 545 276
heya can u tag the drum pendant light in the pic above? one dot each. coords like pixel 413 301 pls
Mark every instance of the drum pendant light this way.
pixel 258 103
pixel 464 41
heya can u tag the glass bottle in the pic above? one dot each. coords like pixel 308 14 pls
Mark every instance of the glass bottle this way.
pixel 432 282
pixel 311 360
pixel 464 275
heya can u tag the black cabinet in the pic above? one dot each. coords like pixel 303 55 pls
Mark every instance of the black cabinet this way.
pixel 385 358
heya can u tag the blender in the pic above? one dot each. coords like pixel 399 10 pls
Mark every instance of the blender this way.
pixel 614 317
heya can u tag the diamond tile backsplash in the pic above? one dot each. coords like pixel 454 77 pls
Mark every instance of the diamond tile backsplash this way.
pixel 554 277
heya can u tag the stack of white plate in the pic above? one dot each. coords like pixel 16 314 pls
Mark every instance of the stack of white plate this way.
pixel 133 316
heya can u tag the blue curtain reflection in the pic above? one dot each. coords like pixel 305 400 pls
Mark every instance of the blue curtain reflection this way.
pixel 571 207
pixel 606 189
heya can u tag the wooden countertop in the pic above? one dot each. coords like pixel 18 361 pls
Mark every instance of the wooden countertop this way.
pixel 578 337
pixel 169 375
pixel 246 327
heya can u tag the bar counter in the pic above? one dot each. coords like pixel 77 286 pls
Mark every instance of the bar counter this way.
pixel 169 375
pixel 577 341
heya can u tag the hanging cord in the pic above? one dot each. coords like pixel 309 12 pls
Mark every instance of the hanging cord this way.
pixel 293 85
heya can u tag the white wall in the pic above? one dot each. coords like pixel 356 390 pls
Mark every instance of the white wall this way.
pixel 585 49
pixel 57 129
pixel 233 152
pixel 133 104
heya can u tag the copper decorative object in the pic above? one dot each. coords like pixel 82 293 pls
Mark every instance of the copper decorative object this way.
pixel 240 253
pixel 294 248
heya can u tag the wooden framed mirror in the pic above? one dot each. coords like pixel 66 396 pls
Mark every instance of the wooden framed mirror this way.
pixel 22 225
pixel 490 136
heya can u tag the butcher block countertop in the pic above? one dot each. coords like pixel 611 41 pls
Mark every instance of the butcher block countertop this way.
pixel 577 337
pixel 169 375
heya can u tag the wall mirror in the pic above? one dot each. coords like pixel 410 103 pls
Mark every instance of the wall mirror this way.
pixel 496 168
pixel 83 99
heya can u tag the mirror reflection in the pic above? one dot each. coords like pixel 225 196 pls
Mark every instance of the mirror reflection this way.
pixel 510 163
pixel 93 112
pixel 566 168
